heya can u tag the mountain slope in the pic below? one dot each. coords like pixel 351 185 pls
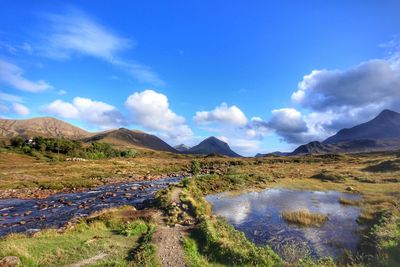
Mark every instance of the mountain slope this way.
pixel 379 134
pixel 127 137
pixel 45 126
pixel 385 126
pixel 212 145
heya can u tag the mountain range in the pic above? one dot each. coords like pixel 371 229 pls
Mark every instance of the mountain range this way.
pixel 51 127
pixel 379 134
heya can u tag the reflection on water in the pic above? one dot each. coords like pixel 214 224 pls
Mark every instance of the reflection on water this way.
pixel 258 215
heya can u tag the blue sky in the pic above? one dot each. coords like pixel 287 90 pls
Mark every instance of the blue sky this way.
pixel 261 75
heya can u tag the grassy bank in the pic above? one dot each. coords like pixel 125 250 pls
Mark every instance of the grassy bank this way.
pixel 213 242
pixel 116 237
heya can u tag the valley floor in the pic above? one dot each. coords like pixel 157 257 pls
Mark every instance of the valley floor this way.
pixel 127 238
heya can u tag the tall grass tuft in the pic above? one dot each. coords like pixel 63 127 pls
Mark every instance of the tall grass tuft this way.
pixel 304 218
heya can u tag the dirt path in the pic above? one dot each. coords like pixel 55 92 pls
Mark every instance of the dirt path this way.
pixel 169 239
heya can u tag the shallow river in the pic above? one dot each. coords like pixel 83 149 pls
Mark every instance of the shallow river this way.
pixel 20 215
pixel 258 215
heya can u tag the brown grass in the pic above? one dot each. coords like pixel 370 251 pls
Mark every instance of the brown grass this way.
pixel 304 218
pixel 350 202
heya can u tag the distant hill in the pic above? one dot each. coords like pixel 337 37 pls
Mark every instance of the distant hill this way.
pixel 182 148
pixel 275 153
pixel 45 126
pixel 212 145
pixel 125 137
pixel 379 134
pixel 384 126
pixel 314 147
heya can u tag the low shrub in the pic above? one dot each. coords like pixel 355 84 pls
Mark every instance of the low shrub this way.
pixel 329 176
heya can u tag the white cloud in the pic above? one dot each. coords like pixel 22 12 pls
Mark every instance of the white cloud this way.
pixel 94 113
pixel 12 104
pixel 337 99
pixel 151 110
pixel 140 72
pixel 246 147
pixel 20 109
pixel 228 116
pixel 287 120
pixel 62 109
pixel 10 98
pixel 13 75
pixel 370 82
pixel 75 33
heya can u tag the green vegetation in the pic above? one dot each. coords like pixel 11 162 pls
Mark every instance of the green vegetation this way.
pixel 144 253
pixel 386 234
pixel 380 194
pixel 195 167
pixel 213 242
pixel 53 147
pixel 304 218
pixel 216 242
pixel 108 235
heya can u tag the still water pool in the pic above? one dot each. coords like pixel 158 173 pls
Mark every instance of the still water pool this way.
pixel 258 215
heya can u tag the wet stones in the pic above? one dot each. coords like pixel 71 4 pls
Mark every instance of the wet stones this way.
pixel 27 213
pixel 43 206
pixel 57 210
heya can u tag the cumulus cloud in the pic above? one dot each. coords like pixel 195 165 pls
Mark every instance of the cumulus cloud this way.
pixel 151 110
pixel 371 82
pixel 75 33
pixel 233 127
pixel 287 120
pixel 223 114
pixel 94 113
pixel 12 75
pixel 337 99
pixel 62 109
pixel 20 109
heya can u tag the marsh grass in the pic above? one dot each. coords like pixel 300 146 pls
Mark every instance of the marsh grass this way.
pixel 350 202
pixel 304 218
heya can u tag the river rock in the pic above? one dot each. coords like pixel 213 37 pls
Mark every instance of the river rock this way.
pixel 29 212
pixel 10 261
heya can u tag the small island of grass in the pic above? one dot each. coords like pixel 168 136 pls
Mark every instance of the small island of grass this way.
pixel 304 218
